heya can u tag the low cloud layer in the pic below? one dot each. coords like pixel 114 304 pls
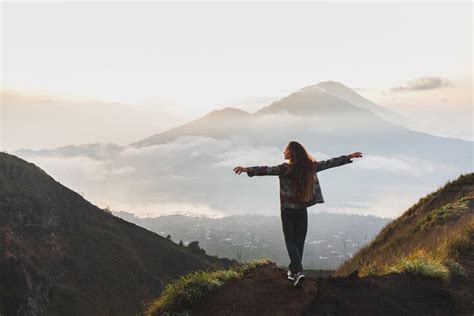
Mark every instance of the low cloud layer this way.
pixel 423 83
pixel 194 175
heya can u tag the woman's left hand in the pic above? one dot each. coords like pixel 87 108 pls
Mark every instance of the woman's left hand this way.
pixel 357 154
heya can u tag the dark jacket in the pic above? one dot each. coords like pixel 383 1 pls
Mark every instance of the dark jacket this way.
pixel 288 198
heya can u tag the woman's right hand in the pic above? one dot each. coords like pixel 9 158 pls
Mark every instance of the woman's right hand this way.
pixel 239 170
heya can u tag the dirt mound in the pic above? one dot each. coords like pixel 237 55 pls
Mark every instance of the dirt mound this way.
pixel 262 291
pixel 266 291
pixel 391 294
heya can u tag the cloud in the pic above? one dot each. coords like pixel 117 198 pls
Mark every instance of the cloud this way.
pixel 248 155
pixel 168 208
pixel 80 167
pixel 193 174
pixel 423 83
pixel 391 164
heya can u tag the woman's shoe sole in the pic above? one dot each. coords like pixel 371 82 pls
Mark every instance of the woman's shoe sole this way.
pixel 299 282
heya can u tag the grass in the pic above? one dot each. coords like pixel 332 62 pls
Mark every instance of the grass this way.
pixel 429 238
pixel 421 263
pixel 463 242
pixel 443 243
pixel 179 296
pixel 455 269
pixel 446 213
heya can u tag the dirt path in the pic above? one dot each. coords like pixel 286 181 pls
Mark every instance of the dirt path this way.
pixel 262 291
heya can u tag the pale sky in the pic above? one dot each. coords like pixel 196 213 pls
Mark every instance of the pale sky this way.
pixel 202 55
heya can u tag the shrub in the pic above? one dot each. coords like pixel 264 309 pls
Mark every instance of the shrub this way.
pixel 421 263
pixel 463 242
pixel 368 270
pixel 189 289
pixel 446 213
pixel 255 263
pixel 455 268
pixel 194 247
pixel 179 296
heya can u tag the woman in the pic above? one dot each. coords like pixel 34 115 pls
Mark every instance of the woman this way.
pixel 299 189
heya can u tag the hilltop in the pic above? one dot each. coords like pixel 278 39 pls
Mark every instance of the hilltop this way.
pixel 414 269
pixel 61 255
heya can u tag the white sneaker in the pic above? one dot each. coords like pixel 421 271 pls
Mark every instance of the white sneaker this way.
pixel 299 279
pixel 291 276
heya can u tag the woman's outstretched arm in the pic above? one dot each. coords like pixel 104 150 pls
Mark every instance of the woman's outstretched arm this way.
pixel 259 170
pixel 337 161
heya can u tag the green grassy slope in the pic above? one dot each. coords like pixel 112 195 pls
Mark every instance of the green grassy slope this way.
pixel 429 235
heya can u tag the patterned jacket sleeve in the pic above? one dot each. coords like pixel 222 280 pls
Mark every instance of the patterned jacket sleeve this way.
pixel 265 170
pixel 333 162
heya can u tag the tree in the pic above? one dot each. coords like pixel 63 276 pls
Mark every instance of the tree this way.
pixel 181 243
pixel 194 247
pixel 168 237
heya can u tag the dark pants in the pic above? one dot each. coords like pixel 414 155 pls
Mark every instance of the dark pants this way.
pixel 295 226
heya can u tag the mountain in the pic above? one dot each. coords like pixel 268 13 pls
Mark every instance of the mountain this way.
pixel 93 150
pixel 420 264
pixel 217 124
pixel 319 118
pixel 343 92
pixel 312 101
pixel 61 255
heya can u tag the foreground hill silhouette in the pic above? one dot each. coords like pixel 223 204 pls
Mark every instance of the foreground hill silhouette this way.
pixel 61 255
pixel 420 264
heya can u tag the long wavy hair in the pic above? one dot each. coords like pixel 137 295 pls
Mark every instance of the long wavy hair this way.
pixel 302 170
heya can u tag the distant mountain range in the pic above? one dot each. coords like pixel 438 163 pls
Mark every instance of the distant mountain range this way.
pixel 342 92
pixel 61 255
pixel 331 122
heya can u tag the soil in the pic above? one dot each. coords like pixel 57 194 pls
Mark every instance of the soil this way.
pixel 266 291
pixel 262 291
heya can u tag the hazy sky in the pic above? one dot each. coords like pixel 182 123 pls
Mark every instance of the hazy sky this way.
pixel 205 54
pixel 187 59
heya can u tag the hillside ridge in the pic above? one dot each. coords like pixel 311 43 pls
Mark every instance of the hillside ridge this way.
pixel 60 254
